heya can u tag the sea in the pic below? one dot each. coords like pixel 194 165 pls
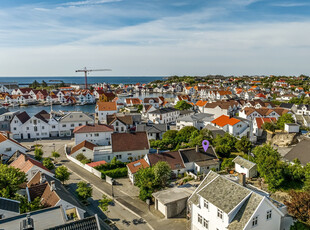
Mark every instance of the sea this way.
pixel 23 81
pixel 33 109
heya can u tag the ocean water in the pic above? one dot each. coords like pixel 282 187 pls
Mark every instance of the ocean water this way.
pixel 81 80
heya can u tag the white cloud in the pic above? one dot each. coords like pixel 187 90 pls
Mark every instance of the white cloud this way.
pixel 291 4
pixel 89 2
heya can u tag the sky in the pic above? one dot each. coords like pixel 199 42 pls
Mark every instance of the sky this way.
pixel 154 37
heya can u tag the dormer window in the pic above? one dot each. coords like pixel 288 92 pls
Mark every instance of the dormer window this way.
pixel 206 204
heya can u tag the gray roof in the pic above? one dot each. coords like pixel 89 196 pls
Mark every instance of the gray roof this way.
pixel 300 151
pixel 9 205
pixel 190 155
pixel 44 218
pixel 215 131
pixel 244 162
pixel 153 128
pixel 246 211
pixel 172 194
pixel 164 110
pixel 89 223
pixel 197 117
pixel 224 194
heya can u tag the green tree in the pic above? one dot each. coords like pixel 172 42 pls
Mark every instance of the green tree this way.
pixel 185 133
pixel 269 126
pixel 285 118
pixel 170 135
pixel 62 174
pixel 162 172
pixel 84 191
pixel 140 108
pixel 26 206
pixel 38 153
pixel 47 162
pixel 145 180
pixel 104 203
pixel 227 164
pixel 82 158
pixel 55 155
pixel 182 105
pixel 44 84
pixel 10 179
pixel 225 145
pixel 243 145
pixel 35 84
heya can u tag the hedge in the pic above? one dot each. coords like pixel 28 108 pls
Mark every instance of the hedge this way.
pixel 115 173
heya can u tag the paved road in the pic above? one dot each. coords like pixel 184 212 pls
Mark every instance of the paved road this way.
pixel 126 206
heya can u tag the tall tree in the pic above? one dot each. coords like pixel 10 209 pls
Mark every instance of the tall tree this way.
pixel 243 145
pixel 285 118
pixel 10 179
pixel 162 172
pixel 62 174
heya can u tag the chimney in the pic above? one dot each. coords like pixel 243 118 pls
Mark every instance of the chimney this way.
pixel 42 178
pixel 157 151
pixel 242 179
pixel 197 148
pixel 53 188
pixel 27 224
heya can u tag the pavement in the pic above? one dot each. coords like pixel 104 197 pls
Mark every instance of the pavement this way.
pixel 127 205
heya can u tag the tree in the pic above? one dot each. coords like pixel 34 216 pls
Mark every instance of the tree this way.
pixel 26 206
pixel 47 162
pixel 84 191
pixel 269 126
pixel 10 179
pixel 162 172
pixel 140 108
pixel 298 205
pixel 104 203
pixel 182 105
pixel 62 174
pixel 185 133
pixel 55 155
pixel 170 135
pixel 145 180
pixel 227 164
pixel 80 157
pixel 224 145
pixel 243 145
pixel 44 84
pixel 285 118
pixel 38 153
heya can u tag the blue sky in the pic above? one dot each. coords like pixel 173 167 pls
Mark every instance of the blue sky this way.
pixel 154 37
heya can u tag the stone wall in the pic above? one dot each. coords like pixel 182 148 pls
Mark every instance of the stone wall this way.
pixel 282 139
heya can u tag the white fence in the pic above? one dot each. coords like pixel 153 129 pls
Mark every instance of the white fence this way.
pixel 85 166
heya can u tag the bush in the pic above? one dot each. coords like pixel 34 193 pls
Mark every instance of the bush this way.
pixel 38 153
pixel 47 162
pixel 115 173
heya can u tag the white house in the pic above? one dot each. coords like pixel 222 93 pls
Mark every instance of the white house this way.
pixel 164 115
pixel 219 203
pixel 133 168
pixel 86 148
pixel 130 146
pixel 96 134
pixel 105 108
pixel 232 126
pixel 246 167
pixel 199 120
pixel 258 124
pixel 220 108
pixel 9 146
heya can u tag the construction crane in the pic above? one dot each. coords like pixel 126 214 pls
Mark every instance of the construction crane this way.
pixel 85 70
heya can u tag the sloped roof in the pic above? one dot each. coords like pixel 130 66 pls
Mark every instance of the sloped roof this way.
pixel 261 120
pixel 174 159
pixel 4 138
pixel 93 128
pixel 83 144
pixel 244 162
pixel 23 117
pixel 300 151
pixel 136 165
pixel 25 163
pixel 106 106
pixel 9 205
pixel 88 223
pixel 225 120
pixel 129 141
pixel 191 155
pixel 97 163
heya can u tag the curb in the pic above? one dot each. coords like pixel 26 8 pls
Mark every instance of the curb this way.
pixel 114 200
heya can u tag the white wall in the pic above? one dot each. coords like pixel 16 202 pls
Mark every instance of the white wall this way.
pixel 9 148
pixel 97 138
pixel 133 154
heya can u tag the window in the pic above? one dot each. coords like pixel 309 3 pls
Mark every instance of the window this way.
pixel 27 128
pixel 205 223
pixel 269 214
pixel 206 204
pixel 200 219
pixel 220 214
pixel 8 149
pixel 71 116
pixel 96 134
pixel 122 129
pixel 80 124
pixel 118 156
pixel 43 127
pixel 81 116
pixel 35 128
pixel 63 125
pixel 53 126
pixel 72 125
pixel 15 128
pixel 116 123
pixel 15 121
pixel 84 150
pixel 254 221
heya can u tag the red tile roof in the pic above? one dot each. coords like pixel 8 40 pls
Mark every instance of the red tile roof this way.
pixel 25 163
pixel 97 163
pixel 85 144
pixel 4 138
pixel 225 120
pixel 93 128
pixel 261 120
pixel 136 165
pixel 174 159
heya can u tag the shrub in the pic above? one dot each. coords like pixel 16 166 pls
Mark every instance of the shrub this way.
pixel 115 173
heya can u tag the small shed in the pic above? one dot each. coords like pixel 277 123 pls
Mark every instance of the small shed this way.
pixel 291 128
pixel 171 202
pixel 245 166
